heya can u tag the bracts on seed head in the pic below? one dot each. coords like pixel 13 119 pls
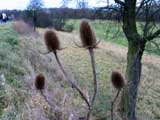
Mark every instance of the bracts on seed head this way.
pixel 87 35
pixel 51 41
pixel 117 80
pixel 40 85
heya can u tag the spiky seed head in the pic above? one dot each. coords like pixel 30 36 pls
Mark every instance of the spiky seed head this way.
pixel 117 80
pixel 87 35
pixel 51 40
pixel 40 82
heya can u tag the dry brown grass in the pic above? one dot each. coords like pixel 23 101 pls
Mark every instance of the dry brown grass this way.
pixel 109 57
pixel 57 90
pixel 22 28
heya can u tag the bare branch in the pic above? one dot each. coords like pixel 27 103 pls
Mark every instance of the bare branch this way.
pixel 119 2
pixel 109 8
pixel 150 13
pixel 154 35
pixel 141 6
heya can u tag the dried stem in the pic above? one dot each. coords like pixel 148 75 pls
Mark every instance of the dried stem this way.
pixel 89 113
pixel 77 88
pixel 91 52
pixel 113 101
pixel 94 76
pixel 72 83
pixel 45 98
pixel 52 106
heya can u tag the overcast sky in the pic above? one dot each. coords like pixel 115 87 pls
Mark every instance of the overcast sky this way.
pixel 22 4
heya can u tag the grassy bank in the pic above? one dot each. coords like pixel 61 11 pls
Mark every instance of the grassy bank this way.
pixel 16 93
pixel 10 55
pixel 21 49
pixel 12 69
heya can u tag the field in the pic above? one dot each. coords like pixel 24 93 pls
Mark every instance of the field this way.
pixel 21 60
pixel 111 31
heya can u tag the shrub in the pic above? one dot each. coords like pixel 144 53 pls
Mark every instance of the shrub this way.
pixel 68 27
pixel 21 27
pixel 44 20
pixel 58 24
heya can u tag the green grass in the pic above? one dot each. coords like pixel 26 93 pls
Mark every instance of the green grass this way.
pixel 10 61
pixel 10 55
pixel 111 31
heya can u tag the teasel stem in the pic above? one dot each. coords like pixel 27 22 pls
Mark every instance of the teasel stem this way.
pixel 113 101
pixel 45 98
pixel 72 83
pixel 89 113
pixel 91 52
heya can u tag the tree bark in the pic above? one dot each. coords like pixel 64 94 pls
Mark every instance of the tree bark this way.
pixel 136 46
pixel 133 74
pixel 34 23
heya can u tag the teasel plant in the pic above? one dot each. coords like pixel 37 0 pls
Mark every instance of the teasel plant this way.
pixel 118 83
pixel 53 45
pixel 40 86
pixel 89 42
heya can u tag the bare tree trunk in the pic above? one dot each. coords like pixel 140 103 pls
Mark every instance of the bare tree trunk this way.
pixel 34 23
pixel 133 74
pixel 136 45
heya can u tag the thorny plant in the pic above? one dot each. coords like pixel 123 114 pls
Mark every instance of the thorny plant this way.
pixel 118 83
pixel 89 42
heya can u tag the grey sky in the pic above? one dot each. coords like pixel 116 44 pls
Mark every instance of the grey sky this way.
pixel 21 4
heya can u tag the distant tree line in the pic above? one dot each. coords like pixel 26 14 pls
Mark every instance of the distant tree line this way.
pixel 46 16
pixel 68 13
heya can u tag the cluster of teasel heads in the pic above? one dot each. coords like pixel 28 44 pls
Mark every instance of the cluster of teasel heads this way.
pixel 89 42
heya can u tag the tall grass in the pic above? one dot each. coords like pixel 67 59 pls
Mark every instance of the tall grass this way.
pixel 11 67
pixel 10 55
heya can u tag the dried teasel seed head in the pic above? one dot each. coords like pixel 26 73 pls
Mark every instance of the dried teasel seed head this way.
pixel 117 80
pixel 40 82
pixel 87 35
pixel 51 40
